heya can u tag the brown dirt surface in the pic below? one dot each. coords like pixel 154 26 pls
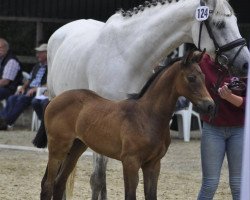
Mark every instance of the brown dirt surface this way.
pixel 21 172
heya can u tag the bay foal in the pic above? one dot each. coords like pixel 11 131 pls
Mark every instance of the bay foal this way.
pixel 134 131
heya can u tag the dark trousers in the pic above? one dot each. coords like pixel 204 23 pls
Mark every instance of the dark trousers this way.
pixel 15 105
pixel 39 106
pixel 5 93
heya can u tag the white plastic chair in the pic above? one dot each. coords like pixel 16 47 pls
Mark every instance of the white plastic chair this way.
pixel 3 102
pixel 26 76
pixel 184 117
pixel 35 121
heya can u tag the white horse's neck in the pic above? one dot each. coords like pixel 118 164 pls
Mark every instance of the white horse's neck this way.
pixel 149 34
pixel 134 45
pixel 117 57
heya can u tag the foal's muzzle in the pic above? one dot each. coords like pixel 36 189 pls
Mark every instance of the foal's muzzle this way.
pixel 205 107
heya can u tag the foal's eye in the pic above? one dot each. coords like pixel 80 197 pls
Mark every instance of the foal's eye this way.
pixel 191 78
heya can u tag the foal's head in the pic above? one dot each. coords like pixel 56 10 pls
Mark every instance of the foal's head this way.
pixel 190 82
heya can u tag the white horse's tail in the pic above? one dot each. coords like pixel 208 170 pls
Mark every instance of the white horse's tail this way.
pixel 70 185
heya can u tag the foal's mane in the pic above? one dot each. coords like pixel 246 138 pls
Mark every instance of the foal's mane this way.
pixel 151 79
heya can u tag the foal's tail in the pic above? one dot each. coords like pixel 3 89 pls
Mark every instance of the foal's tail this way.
pixel 40 140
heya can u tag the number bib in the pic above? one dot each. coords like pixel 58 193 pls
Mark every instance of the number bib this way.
pixel 202 13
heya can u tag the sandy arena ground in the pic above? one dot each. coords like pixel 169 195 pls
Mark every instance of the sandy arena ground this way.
pixel 21 172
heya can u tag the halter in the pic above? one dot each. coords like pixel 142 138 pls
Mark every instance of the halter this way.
pixel 220 57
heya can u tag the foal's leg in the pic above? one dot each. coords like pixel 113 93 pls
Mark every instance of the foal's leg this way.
pixel 49 178
pixel 150 176
pixel 131 166
pixel 44 177
pixel 58 150
pixel 98 177
pixel 69 164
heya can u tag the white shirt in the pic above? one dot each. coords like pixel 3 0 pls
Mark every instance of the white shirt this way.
pixel 11 69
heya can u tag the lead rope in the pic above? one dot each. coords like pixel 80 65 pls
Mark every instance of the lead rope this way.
pixel 215 89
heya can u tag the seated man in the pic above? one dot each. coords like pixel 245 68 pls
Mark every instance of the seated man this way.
pixel 39 103
pixel 181 103
pixel 17 103
pixel 10 71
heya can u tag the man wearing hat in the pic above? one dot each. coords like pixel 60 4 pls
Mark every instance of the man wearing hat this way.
pixel 18 102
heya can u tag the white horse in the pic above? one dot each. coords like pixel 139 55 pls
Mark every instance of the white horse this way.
pixel 115 58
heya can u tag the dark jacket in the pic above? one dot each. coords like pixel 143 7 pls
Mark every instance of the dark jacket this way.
pixel 19 77
pixel 34 72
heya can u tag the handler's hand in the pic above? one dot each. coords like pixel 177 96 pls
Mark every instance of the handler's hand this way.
pixel 224 92
pixel 227 94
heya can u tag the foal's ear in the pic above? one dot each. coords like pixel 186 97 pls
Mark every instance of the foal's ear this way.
pixel 193 56
pixel 197 56
pixel 186 60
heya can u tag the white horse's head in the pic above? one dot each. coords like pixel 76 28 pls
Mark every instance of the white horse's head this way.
pixel 220 35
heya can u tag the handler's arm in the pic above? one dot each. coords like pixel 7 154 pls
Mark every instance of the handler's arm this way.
pixel 227 94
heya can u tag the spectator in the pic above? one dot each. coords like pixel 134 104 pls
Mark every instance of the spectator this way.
pixel 39 103
pixel 181 103
pixel 17 103
pixel 10 71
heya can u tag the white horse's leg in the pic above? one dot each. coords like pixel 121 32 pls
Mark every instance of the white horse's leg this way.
pixel 98 177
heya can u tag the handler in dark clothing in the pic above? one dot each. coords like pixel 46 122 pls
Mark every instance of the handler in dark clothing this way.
pixel 17 103
pixel 10 71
